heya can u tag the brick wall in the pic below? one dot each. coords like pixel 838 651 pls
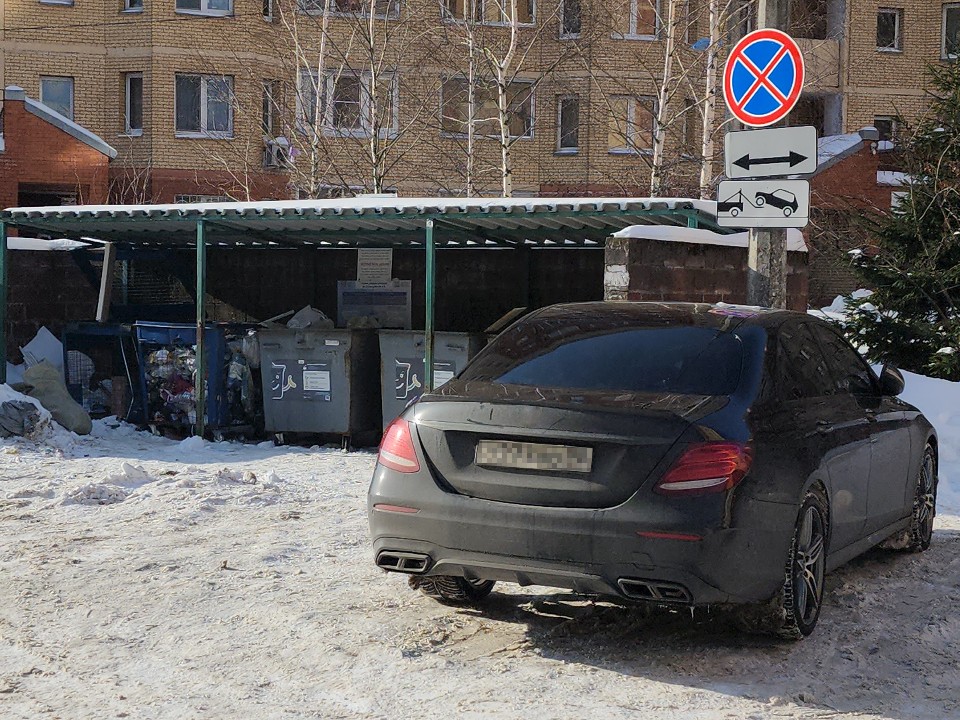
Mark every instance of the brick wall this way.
pixel 38 153
pixel 650 270
pixel 46 288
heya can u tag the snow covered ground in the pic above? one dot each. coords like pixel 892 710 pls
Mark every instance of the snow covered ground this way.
pixel 145 578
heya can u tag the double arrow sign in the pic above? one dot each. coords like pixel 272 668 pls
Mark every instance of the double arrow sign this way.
pixel 762 153
pixel 756 193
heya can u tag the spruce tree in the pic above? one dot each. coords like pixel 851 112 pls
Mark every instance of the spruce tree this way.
pixel 912 319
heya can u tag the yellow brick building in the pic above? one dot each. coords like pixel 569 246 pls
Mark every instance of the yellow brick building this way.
pixel 245 98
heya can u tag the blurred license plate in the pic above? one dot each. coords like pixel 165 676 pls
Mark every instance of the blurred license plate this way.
pixel 534 456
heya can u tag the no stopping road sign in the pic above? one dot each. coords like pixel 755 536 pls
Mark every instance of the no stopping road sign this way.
pixel 763 77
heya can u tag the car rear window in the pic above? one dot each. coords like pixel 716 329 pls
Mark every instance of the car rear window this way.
pixel 687 360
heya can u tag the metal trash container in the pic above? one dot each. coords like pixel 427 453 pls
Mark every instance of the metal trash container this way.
pixel 100 369
pixel 167 354
pixel 401 366
pixel 320 381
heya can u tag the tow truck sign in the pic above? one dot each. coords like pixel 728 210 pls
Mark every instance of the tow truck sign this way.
pixel 763 203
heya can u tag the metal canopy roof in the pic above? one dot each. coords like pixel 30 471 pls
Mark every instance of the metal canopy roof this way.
pixel 366 221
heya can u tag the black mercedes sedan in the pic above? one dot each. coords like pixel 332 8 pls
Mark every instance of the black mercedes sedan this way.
pixel 669 453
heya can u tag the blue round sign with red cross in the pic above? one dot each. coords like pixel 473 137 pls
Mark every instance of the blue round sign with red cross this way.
pixel 763 77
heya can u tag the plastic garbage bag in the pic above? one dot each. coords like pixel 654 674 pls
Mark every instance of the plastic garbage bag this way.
pixel 308 317
pixel 18 417
pixel 46 386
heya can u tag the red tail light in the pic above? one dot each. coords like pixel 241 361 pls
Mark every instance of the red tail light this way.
pixel 396 448
pixel 709 467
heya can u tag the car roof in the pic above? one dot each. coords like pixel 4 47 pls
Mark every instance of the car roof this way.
pixel 723 316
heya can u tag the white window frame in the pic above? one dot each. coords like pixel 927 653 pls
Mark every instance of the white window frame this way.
pixel 892 142
pixel 503 4
pixel 127 130
pixel 533 113
pixel 392 13
pixel 567 150
pixel 268 10
pixel 129 7
pixel 365 130
pixel 632 33
pixel 73 91
pixel 563 9
pixel 898 29
pixel 68 3
pixel 633 129
pixel 205 10
pixel 944 55
pixel 203 133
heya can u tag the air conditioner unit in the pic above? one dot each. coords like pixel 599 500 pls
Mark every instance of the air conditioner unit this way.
pixel 276 153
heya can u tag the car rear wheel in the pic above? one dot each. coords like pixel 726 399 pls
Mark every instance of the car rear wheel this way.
pixel 453 590
pixel 794 612
pixel 759 201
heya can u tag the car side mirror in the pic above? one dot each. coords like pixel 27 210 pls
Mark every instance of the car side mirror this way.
pixel 891 380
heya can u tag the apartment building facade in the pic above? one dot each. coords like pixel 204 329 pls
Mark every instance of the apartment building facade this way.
pixel 254 99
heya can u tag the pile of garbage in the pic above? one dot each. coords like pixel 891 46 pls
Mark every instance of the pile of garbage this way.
pixel 171 393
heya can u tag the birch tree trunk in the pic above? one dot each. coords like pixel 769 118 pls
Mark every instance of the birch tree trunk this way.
pixel 710 104
pixel 660 128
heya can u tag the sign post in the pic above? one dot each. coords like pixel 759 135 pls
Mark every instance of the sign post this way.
pixel 762 82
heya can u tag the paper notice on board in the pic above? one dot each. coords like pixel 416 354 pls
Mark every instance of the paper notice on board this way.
pixel 374 267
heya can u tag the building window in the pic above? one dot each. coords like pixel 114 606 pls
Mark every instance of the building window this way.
pixel 887 127
pixel 133 5
pixel 455 109
pixel 644 18
pixel 889 21
pixel 268 111
pixel 204 106
pixel 57 94
pixel 382 8
pixel 193 199
pixel 268 9
pixel 490 12
pixel 568 124
pixel 951 31
pixel 631 124
pixel 205 7
pixel 133 104
pixel 570 19
pixel 354 109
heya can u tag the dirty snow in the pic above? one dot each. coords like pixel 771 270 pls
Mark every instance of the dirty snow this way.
pixel 147 578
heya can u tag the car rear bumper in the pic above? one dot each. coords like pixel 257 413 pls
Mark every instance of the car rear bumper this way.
pixel 584 550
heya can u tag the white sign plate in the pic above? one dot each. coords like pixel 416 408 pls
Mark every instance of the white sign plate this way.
pixel 374 267
pixel 763 203
pixel 770 153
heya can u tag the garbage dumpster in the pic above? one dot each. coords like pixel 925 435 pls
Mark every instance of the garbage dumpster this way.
pixel 100 369
pixel 401 355
pixel 321 381
pixel 167 355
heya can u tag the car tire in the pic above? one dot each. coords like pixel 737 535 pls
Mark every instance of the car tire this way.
pixel 787 211
pixel 794 612
pixel 924 503
pixel 759 201
pixel 453 590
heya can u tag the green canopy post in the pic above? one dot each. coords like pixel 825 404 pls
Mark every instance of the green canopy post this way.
pixel 3 302
pixel 201 360
pixel 428 322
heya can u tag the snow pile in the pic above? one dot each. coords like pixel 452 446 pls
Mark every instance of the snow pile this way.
pixel 114 488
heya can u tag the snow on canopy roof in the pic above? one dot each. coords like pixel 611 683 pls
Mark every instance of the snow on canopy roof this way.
pixel 367 221
pixel 18 243
pixel 795 242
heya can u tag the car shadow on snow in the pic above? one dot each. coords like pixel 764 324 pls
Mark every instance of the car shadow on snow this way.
pixel 888 641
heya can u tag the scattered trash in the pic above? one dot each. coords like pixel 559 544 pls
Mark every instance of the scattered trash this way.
pixel 44 383
pixel 18 417
pixel 44 346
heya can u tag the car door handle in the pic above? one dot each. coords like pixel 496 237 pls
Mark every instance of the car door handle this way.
pixel 824 426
